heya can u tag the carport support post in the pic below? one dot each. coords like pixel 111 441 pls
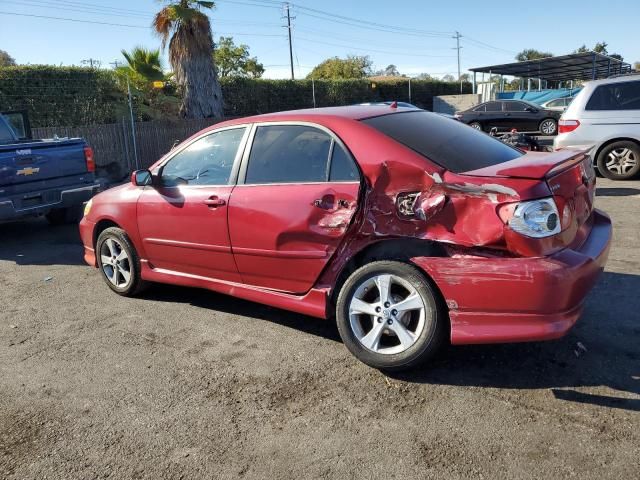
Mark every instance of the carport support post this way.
pixel 313 91
pixel 409 90
pixel 593 67
pixel 473 87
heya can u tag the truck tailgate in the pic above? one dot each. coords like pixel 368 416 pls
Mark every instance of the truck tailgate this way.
pixel 41 160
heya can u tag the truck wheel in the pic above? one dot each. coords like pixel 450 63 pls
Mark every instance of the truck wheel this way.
pixel 62 216
pixel 619 160
pixel 389 316
pixel 119 262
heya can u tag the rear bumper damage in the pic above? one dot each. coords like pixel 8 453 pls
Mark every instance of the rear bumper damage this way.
pixel 501 300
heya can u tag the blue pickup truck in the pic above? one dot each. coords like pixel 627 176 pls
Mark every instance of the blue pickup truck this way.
pixel 52 177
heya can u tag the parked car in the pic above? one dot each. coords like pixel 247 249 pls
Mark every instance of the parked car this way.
pixel 409 240
pixel 52 177
pixel 605 118
pixel 558 104
pixel 509 114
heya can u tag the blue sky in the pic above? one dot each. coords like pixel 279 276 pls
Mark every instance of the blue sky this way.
pixel 412 34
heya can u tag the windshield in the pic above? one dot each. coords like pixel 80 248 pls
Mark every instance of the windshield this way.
pixel 449 143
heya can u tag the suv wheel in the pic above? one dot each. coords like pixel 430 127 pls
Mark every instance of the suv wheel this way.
pixel 389 317
pixel 118 262
pixel 548 126
pixel 619 160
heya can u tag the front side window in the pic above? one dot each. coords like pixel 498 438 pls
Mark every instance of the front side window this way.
pixel 494 107
pixel 207 161
pixel 615 96
pixel 289 154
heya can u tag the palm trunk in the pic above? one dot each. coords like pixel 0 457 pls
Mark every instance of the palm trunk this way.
pixel 202 95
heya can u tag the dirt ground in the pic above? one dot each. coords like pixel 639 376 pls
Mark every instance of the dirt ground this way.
pixel 185 383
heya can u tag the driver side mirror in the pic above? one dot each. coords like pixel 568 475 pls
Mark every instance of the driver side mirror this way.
pixel 141 178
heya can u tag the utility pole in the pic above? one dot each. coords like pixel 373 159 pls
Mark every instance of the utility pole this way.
pixel 458 47
pixel 116 63
pixel 287 8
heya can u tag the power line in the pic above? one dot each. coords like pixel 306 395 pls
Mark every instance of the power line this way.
pixel 401 54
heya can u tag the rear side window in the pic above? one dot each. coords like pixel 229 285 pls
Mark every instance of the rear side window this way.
pixel 494 107
pixel 449 143
pixel 342 168
pixel 615 96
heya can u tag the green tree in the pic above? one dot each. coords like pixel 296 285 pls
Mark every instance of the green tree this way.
pixel 6 60
pixel 233 60
pixel 343 68
pixel 144 63
pixel 187 30
pixel 532 54
pixel 600 47
pixel 448 78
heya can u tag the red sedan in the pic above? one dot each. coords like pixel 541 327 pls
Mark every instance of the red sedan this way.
pixel 410 228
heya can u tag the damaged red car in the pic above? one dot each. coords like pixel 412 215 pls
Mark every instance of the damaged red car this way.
pixel 409 228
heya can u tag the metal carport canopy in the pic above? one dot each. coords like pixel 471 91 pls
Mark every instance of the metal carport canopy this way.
pixel 575 66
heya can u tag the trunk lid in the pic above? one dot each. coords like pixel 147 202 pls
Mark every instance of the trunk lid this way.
pixel 34 161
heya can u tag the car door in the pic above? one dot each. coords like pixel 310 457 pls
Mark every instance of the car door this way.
pixel 296 196
pixel 493 117
pixel 517 115
pixel 182 218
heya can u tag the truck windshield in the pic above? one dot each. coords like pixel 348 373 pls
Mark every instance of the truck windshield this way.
pixel 6 134
pixel 449 143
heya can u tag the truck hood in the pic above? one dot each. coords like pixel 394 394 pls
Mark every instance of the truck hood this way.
pixel 533 165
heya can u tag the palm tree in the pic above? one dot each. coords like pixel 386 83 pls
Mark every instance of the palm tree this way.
pixel 191 56
pixel 145 63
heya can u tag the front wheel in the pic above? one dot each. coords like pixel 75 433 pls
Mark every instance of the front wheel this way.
pixel 118 262
pixel 476 126
pixel 619 160
pixel 389 317
pixel 548 126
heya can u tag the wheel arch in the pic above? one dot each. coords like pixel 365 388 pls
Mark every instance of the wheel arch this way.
pixel 606 143
pixel 101 226
pixel 400 250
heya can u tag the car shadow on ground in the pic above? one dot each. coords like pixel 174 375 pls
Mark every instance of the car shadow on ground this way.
pixel 601 350
pixel 617 192
pixel 35 242
pixel 235 306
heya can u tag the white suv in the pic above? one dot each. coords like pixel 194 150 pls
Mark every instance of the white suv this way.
pixel 605 117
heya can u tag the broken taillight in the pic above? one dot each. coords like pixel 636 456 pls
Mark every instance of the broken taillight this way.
pixel 535 218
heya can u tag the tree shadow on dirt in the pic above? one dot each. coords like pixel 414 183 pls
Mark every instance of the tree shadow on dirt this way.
pixel 35 242
pixel 601 350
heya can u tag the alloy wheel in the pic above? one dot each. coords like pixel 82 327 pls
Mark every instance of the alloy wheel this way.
pixel 387 314
pixel 548 127
pixel 621 161
pixel 115 262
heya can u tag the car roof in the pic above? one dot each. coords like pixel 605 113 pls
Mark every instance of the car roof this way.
pixel 618 79
pixel 318 115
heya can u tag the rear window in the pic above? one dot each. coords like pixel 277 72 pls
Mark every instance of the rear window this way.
pixel 615 96
pixel 449 143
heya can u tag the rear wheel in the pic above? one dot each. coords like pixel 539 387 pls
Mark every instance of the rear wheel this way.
pixel 389 317
pixel 619 160
pixel 118 262
pixel 476 125
pixel 548 126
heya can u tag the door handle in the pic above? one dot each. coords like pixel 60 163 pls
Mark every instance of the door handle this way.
pixel 214 202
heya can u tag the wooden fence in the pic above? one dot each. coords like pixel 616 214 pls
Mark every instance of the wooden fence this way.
pixel 113 143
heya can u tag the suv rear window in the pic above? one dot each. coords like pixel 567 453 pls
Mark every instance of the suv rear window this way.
pixel 449 143
pixel 615 96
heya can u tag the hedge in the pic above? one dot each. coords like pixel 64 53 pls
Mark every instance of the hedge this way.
pixel 73 96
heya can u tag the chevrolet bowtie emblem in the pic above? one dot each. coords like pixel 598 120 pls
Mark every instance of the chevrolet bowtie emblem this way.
pixel 28 171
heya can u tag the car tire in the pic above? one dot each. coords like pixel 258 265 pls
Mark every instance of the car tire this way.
pixel 476 126
pixel 64 216
pixel 548 126
pixel 619 160
pixel 118 262
pixel 390 338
